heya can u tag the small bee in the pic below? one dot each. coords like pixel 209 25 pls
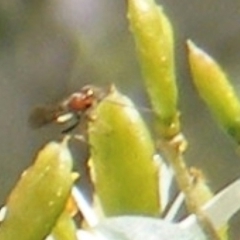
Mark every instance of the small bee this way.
pixel 70 110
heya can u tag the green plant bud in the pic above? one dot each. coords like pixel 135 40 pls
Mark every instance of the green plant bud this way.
pixel 215 89
pixel 153 36
pixel 40 195
pixel 65 228
pixel 124 173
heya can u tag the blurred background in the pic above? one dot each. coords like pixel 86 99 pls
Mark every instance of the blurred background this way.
pixel 50 48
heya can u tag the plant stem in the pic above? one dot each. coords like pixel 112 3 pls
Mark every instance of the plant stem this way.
pixel 173 150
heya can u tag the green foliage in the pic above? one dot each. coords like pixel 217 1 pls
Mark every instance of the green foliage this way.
pixel 125 175
pixel 40 195
pixel 216 90
pixel 153 36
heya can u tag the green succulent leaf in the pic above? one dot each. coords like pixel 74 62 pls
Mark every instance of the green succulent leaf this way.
pixel 40 195
pixel 153 36
pixel 125 175
pixel 65 228
pixel 215 89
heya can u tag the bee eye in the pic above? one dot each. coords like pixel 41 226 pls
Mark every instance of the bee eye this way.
pixel 77 102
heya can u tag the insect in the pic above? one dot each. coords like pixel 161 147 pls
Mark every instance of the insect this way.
pixel 71 110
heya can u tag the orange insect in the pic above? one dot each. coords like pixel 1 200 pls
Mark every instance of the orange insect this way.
pixel 71 110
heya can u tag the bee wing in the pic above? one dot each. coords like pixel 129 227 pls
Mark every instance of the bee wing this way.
pixel 42 115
